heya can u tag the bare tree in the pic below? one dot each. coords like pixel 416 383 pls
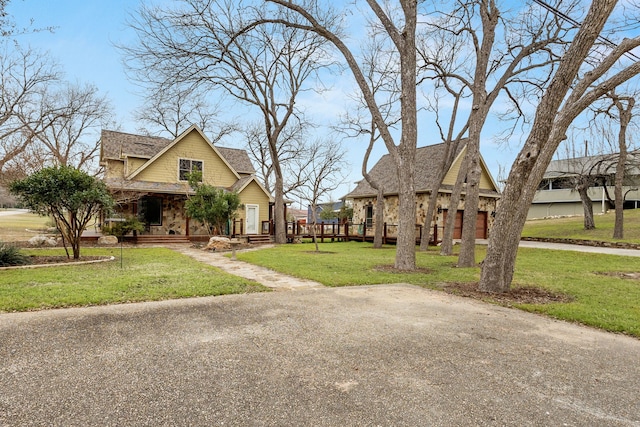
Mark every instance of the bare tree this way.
pixel 624 106
pixel 399 24
pixel 71 121
pixel 174 109
pixel 380 71
pixel 24 77
pixel 291 146
pixel 203 45
pixel 8 27
pixel 574 86
pixel 321 172
pixel 471 59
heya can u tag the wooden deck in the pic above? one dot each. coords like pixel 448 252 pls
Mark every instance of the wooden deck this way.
pixel 348 232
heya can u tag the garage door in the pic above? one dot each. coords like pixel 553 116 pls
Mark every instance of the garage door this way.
pixel 481 225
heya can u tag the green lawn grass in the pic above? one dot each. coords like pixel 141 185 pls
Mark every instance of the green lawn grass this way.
pixel 146 274
pixel 599 300
pixel 573 227
pixel 14 227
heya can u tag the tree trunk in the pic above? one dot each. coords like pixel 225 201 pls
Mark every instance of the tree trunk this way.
pixel 406 241
pixel 278 216
pixel 379 220
pixel 428 219
pixel 405 159
pixel 587 207
pixel 446 248
pixel 548 129
pixel 467 257
pixel 625 118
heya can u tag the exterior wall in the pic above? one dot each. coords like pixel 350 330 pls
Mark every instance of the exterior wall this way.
pixel 450 178
pixel 133 164
pixel 566 202
pixel 253 195
pixel 174 220
pixel 114 169
pixel 194 147
pixel 486 204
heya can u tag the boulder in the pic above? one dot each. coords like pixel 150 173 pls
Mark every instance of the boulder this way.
pixel 42 240
pixel 107 240
pixel 217 243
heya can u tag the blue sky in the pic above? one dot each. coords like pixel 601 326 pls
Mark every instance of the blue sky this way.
pixel 83 44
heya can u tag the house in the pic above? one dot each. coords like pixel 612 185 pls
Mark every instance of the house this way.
pixel 557 196
pixel 363 197
pixel 333 207
pixel 148 178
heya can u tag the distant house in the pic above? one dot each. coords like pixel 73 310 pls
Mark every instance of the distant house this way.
pixel 363 197
pixel 556 195
pixel 148 176
pixel 331 206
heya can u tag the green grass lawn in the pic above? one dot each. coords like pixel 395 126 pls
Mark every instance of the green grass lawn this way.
pixel 14 227
pixel 599 300
pixel 147 274
pixel 573 227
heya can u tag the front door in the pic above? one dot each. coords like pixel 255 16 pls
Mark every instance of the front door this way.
pixel 252 219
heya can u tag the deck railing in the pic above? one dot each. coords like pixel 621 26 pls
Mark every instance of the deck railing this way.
pixel 333 230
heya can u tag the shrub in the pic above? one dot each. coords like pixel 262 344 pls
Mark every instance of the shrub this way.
pixel 10 255
pixel 125 227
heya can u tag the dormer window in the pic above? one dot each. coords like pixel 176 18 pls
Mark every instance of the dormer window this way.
pixel 187 166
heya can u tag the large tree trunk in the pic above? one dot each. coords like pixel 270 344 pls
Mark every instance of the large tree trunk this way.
pixel 278 216
pixel 467 257
pixel 379 220
pixel 618 228
pixel 406 241
pixel 625 118
pixel 405 158
pixel 428 219
pixel 446 248
pixel 548 129
pixel 587 207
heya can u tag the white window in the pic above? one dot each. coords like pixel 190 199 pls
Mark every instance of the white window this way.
pixel 187 166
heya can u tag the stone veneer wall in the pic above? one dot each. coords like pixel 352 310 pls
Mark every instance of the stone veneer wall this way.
pixel 174 220
pixel 422 200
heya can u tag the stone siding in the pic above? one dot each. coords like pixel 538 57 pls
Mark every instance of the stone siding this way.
pixel 486 204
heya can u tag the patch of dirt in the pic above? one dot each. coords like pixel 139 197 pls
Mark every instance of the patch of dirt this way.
pixel 39 260
pixel 621 274
pixel 392 269
pixel 518 295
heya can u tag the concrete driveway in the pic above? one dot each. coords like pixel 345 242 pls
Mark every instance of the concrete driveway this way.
pixel 394 355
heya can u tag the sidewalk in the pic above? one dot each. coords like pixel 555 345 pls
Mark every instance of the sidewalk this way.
pixel 264 276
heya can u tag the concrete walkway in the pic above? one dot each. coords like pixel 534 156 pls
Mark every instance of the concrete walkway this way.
pixel 580 248
pixel 264 276
pixel 283 282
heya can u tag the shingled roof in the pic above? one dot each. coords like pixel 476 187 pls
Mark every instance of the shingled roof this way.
pixel 115 145
pixel 427 162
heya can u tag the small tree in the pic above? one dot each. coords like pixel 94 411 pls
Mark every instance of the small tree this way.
pixel 71 197
pixel 212 206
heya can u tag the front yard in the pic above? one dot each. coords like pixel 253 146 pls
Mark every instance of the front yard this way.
pixel 142 274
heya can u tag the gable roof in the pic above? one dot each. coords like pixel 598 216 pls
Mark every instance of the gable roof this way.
pixel 428 159
pixel 242 183
pixel 116 145
pixel 238 159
